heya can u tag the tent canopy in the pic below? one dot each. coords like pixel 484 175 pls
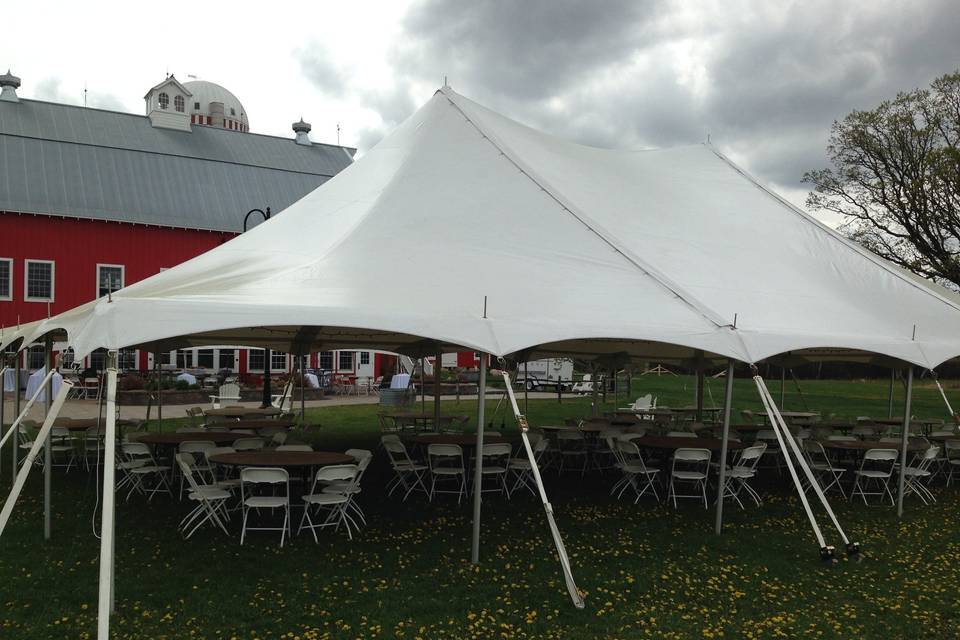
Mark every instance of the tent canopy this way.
pixel 464 229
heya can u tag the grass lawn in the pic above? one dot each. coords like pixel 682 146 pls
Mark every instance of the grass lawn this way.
pixel 647 570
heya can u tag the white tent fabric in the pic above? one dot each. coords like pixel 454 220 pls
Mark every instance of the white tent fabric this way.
pixel 470 230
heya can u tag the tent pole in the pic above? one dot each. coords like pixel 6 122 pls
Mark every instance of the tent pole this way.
pixel 436 391
pixel 159 391
pixel 905 437
pixel 423 391
pixel 105 603
pixel 156 375
pixel 16 410
pixel 783 387
pixel 47 455
pixel 593 384
pixel 893 373
pixel 3 401
pixel 266 400
pixel 700 385
pixel 725 438
pixel 526 389
pixel 303 393
pixel 478 465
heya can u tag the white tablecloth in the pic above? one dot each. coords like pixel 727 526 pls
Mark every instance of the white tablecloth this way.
pixel 8 380
pixel 34 383
pixel 311 380
pixel 189 378
pixel 400 381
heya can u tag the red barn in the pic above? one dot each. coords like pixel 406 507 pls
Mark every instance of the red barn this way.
pixel 93 200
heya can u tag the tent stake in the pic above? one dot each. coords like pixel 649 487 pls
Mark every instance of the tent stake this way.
pixel 105 603
pixel 904 438
pixel 727 400
pixel 478 466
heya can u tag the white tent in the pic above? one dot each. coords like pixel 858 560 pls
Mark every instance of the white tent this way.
pixel 465 229
pixel 469 229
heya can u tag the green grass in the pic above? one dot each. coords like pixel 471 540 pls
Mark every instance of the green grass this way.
pixel 647 570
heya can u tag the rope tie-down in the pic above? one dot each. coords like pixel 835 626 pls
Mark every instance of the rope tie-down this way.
pixel 791 450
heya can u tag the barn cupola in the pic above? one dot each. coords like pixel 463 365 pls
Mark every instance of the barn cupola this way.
pixel 302 129
pixel 9 84
pixel 166 105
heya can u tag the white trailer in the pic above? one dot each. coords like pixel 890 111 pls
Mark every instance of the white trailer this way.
pixel 545 374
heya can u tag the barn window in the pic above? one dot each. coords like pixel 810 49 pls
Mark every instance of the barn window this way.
pixel 326 360
pixel 39 281
pixel 164 100
pixel 6 279
pixel 346 361
pixel 364 357
pixel 278 361
pixel 109 278
pixel 178 103
pixel 196 106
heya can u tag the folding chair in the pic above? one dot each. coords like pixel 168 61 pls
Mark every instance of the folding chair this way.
pixel 744 469
pixel 334 502
pixel 521 467
pixel 144 467
pixel 211 500
pixel 876 467
pixel 253 481
pixel 919 470
pixel 493 461
pixel 690 466
pixel 445 462
pixel 824 470
pixel 408 474
pixel 636 474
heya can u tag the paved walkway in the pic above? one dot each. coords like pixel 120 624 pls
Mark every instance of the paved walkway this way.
pixel 88 408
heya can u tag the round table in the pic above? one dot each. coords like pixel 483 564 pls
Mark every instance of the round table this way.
pixel 82 424
pixel 176 439
pixel 282 459
pixel 256 424
pixel 465 440
pixel 672 442
pixel 865 445
pixel 239 412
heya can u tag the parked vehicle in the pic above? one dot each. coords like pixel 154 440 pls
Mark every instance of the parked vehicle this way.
pixel 545 374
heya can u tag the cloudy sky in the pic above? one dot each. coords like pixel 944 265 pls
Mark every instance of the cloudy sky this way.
pixel 764 79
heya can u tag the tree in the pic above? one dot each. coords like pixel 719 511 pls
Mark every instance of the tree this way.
pixel 896 179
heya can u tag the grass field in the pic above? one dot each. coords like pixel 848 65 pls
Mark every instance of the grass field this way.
pixel 647 570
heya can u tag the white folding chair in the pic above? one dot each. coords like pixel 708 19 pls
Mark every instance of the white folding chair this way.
pixel 408 474
pixel 493 461
pixel 248 444
pixel 293 447
pixel 827 474
pixel 211 500
pixel 334 502
pixel 743 470
pixel 259 490
pixel 571 445
pixel 363 458
pixel 690 466
pixel 445 462
pixel 145 467
pixel 919 470
pixel 636 474
pixel 521 467
pixel 199 460
pixel 876 468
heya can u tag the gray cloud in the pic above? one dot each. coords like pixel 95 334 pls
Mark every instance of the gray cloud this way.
pixel 317 66
pixel 51 89
pixel 766 80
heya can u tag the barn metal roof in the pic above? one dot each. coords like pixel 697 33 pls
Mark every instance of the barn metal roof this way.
pixel 65 160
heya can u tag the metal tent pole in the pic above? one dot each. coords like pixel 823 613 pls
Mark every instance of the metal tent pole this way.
pixel 47 455
pixel 526 388
pixel 783 387
pixel 157 376
pixel 905 437
pixel 423 390
pixel 303 393
pixel 700 385
pixel 105 603
pixel 3 402
pixel 478 466
pixel 16 410
pixel 725 439
pixel 436 391
pixel 893 375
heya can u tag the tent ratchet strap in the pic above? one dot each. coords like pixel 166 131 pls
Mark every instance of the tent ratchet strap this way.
pixel 826 551
pixel 780 427
pixel 575 594
pixel 936 381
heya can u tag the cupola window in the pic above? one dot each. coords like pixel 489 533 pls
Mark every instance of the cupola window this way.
pixel 178 103
pixel 164 100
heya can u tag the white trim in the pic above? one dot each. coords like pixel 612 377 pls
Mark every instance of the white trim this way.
pixel 26 275
pixel 123 276
pixel 9 279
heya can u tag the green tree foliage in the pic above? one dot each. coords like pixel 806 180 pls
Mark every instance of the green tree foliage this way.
pixel 896 179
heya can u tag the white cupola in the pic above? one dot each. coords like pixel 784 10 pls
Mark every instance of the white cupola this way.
pixel 166 105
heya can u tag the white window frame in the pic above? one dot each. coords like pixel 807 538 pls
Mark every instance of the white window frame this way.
pixel 9 261
pixel 250 367
pixel 26 275
pixel 286 362
pixel 123 275
pixel 236 359
pixel 353 361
